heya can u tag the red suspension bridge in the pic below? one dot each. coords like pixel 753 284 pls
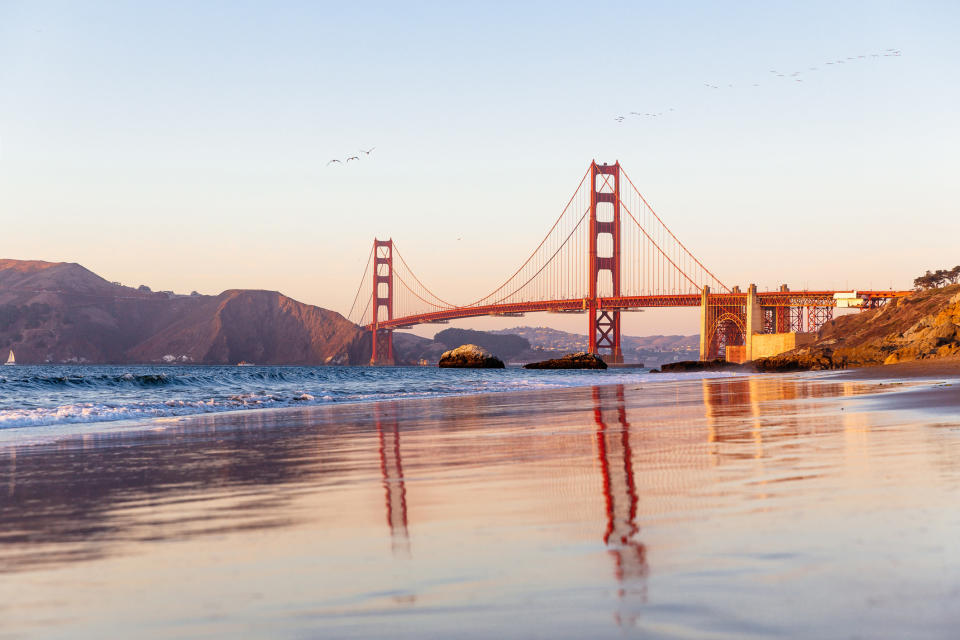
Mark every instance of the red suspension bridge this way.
pixel 606 254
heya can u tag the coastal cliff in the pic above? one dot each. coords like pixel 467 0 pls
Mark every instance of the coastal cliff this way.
pixel 62 312
pixel 924 325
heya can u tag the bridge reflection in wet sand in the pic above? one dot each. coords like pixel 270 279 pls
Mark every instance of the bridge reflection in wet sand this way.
pixel 725 506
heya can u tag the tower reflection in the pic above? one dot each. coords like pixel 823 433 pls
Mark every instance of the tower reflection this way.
pixel 620 493
pixel 391 466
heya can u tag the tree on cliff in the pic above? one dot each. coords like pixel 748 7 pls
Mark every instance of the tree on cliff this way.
pixel 938 278
pixel 926 281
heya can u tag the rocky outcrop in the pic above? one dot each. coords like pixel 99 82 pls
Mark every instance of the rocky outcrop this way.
pixel 469 356
pixel 921 326
pixel 579 360
pixel 508 347
pixel 698 365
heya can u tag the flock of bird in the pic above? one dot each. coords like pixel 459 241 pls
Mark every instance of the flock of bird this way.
pixel 365 152
pixel 795 76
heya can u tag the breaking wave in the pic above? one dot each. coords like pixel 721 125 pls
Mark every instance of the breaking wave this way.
pixel 37 396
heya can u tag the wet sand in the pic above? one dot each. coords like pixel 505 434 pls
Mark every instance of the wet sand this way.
pixel 928 368
pixel 762 506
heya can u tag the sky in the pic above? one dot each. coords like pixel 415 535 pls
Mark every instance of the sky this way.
pixel 184 145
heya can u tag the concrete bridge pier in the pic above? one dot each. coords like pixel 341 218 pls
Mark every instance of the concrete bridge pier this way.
pixel 754 322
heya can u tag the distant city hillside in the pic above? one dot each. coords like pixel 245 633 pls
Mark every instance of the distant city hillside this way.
pixel 652 350
pixel 506 346
pixel 62 312
pixel 530 344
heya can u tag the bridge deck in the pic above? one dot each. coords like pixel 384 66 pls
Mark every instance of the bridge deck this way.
pixel 621 303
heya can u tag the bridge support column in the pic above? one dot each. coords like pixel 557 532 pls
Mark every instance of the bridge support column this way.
pixel 782 324
pixel 705 324
pixel 754 322
pixel 381 340
pixel 604 324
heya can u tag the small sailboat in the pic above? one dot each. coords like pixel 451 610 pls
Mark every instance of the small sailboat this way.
pixel 11 359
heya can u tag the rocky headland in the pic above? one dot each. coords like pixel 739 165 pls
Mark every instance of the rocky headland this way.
pixel 922 326
pixel 61 312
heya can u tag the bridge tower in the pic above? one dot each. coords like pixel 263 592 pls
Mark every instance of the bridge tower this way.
pixel 381 340
pixel 604 324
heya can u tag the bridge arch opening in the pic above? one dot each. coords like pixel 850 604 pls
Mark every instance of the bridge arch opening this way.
pixel 728 330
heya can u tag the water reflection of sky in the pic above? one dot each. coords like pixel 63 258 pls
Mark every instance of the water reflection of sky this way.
pixel 719 508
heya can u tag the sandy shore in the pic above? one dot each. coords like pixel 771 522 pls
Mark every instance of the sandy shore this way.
pixel 798 505
pixel 929 368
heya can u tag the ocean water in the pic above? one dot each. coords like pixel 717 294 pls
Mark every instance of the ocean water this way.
pixel 46 396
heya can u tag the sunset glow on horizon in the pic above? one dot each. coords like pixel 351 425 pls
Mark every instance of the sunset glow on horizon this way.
pixel 188 147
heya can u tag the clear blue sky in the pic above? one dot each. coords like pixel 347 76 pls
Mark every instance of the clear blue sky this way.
pixel 184 145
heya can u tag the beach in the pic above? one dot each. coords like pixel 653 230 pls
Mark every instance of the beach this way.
pixel 803 505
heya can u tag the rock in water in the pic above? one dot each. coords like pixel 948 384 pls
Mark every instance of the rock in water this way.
pixel 699 365
pixel 469 356
pixel 579 360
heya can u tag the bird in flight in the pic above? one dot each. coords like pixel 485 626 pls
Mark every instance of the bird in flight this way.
pixel 352 158
pixel 797 76
pixel 332 161
pixel 367 152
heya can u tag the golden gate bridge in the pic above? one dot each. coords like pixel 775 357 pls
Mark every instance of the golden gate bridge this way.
pixel 606 254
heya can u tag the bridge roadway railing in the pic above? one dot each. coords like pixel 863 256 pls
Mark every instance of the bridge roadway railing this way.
pixel 620 303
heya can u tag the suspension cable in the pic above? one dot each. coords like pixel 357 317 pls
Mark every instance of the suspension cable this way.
pixel 360 288
pixel 425 288
pixel 652 241
pixel 669 231
pixel 542 242
pixel 562 245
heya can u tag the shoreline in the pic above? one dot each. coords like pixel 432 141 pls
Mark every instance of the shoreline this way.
pixel 913 369
pixel 34 434
pixel 922 396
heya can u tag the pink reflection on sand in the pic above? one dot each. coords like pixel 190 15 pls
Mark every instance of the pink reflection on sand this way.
pixel 391 466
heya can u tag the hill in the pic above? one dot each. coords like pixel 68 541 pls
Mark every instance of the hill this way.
pixel 63 312
pixel 925 325
pixel 506 346
pixel 652 350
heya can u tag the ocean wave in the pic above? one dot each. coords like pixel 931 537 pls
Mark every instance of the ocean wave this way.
pixel 82 380
pixel 89 412
pixel 54 395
